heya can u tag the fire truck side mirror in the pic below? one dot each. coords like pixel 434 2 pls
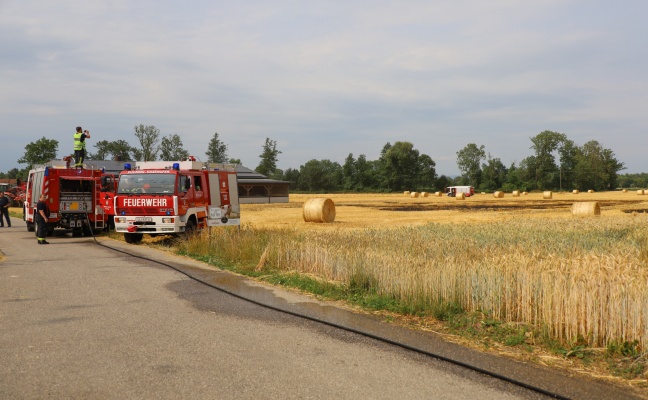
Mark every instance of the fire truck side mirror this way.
pixel 104 181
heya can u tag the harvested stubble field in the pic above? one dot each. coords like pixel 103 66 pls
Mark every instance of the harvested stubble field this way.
pixel 393 210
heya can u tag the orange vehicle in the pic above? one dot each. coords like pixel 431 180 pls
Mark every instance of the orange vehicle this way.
pixel 168 198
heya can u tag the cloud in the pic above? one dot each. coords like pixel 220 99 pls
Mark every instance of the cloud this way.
pixel 326 79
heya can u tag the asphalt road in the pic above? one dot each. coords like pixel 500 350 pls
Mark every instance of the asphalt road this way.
pixel 81 321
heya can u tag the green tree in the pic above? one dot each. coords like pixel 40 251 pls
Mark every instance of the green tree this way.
pixel 493 174
pixel 513 180
pixel 568 155
pixel 292 175
pixel 321 176
pixel 349 173
pixel 596 167
pixel 171 149
pixel 469 162
pixel 39 152
pixel 544 145
pixel 149 139
pixel 366 173
pixel 400 166
pixel 235 161
pixel 217 150
pixel 426 174
pixel 443 182
pixel 527 173
pixel 268 163
pixel 116 150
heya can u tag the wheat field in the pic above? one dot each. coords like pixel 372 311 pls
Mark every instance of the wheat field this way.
pixel 519 259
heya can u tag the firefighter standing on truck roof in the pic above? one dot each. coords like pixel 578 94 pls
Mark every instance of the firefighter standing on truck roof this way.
pixel 79 146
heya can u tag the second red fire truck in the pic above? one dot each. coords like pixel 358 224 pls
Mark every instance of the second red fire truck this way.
pixel 167 198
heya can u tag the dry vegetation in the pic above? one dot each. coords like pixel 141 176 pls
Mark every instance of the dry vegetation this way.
pixel 520 260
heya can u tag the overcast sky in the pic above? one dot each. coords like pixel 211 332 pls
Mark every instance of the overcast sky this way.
pixel 327 78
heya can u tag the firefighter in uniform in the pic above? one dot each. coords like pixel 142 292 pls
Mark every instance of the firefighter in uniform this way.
pixel 79 146
pixel 42 218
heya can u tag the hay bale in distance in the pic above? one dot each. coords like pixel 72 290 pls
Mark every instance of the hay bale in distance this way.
pixel 547 194
pixel 590 191
pixel 498 194
pixel 575 191
pixel 438 194
pixel 414 195
pixel 524 193
pixel 586 208
pixel 424 194
pixel 640 192
pixel 319 210
pixel 460 196
pixel 516 193
pixel 406 193
pixel 625 190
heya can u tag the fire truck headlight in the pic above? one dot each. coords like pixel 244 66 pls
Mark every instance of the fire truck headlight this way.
pixel 120 220
pixel 168 220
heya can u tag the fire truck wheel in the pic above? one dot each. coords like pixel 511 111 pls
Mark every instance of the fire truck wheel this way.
pixel 190 228
pixel 133 238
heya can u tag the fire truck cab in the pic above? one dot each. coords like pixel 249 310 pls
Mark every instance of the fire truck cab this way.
pixel 168 198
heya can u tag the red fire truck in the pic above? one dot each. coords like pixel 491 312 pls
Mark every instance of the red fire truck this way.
pixel 168 198
pixel 72 195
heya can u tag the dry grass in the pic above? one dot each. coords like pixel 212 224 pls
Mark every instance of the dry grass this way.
pixel 522 259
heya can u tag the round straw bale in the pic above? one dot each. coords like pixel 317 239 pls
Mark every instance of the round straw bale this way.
pixel 406 193
pixel 524 193
pixel 414 194
pixel 498 194
pixel 438 194
pixel 640 192
pixel 575 191
pixel 424 194
pixel 319 210
pixel 516 193
pixel 547 194
pixel 586 208
pixel 590 191
pixel 483 192
pixel 461 196
pixel 625 190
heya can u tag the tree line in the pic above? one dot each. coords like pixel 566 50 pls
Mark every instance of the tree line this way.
pixel 557 163
pixel 152 147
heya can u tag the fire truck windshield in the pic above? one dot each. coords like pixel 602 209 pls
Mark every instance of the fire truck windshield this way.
pixel 150 183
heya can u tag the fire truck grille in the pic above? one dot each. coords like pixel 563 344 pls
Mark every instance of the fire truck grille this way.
pixel 145 211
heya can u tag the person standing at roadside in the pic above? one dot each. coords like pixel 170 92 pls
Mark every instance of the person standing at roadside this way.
pixel 42 218
pixel 4 209
pixel 79 146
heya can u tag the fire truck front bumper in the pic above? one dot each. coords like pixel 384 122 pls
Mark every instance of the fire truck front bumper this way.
pixel 150 225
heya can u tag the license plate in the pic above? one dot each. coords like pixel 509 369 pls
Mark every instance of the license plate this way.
pixel 143 219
